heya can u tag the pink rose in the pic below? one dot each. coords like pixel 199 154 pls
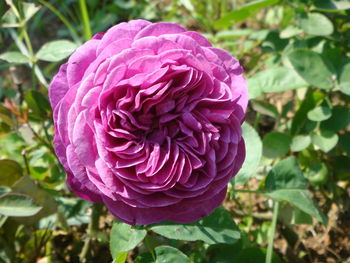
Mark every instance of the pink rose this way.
pixel 148 121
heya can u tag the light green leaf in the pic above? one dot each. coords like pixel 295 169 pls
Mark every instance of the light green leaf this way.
pixel 274 80
pixel 18 205
pixel 243 13
pixel 213 229
pixel 319 113
pixel 313 68
pixel 124 238
pixel 300 199
pixel 300 142
pixel 14 57
pixel 290 31
pixel 316 24
pixel 344 80
pixel 10 172
pixel 29 10
pixel 253 147
pixel 121 257
pixel 326 140
pixel 167 254
pixel 9 19
pixel 56 50
pixel 285 175
pixel 276 144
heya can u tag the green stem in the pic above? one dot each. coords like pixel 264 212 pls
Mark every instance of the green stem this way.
pixel 85 17
pixel 272 233
pixel 150 247
pixel 63 19
pixel 92 229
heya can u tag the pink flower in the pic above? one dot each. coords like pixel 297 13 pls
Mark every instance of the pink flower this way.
pixel 148 121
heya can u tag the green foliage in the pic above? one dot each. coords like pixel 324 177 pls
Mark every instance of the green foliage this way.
pixel 215 228
pixel 124 238
pixel 297 62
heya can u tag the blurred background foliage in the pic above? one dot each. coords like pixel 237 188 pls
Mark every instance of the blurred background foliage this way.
pixel 290 201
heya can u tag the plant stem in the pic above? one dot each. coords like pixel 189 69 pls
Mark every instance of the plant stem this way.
pixel 85 17
pixel 149 246
pixel 92 229
pixel 272 231
pixel 63 19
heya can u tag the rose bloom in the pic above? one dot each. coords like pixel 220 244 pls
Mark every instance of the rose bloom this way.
pixel 148 121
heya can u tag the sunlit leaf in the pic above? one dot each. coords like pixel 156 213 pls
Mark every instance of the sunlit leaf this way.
pixel 18 205
pixel 56 50
pixel 14 57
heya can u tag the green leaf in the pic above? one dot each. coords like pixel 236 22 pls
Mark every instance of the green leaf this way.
pixel 344 143
pixel 144 258
pixel 276 144
pixel 29 10
pixel 121 257
pixel 243 13
pixel 9 19
pixel 300 142
pixel 274 80
pixel 167 254
pixel 317 173
pixel 37 102
pixel 213 229
pixel 329 5
pixel 316 24
pixel 11 171
pixel 300 199
pixel 124 238
pixel 326 140
pixel 339 120
pixel 344 79
pixel 313 68
pixel 253 147
pixel 312 99
pixel 265 108
pixel 18 205
pixel 285 175
pixel 14 57
pixel 56 50
pixel 319 113
pixel 290 31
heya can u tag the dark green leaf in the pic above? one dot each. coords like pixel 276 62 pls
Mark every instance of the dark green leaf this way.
pixel 215 228
pixel 14 57
pixel 56 50
pixel 285 175
pixel 18 205
pixel 265 108
pixel 124 238
pixel 316 24
pixel 339 120
pixel 332 5
pixel 320 113
pixel 253 147
pixel 313 68
pixel 276 144
pixel 344 143
pixel 166 254
pixel 10 172
pixel 37 102
pixel 312 99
